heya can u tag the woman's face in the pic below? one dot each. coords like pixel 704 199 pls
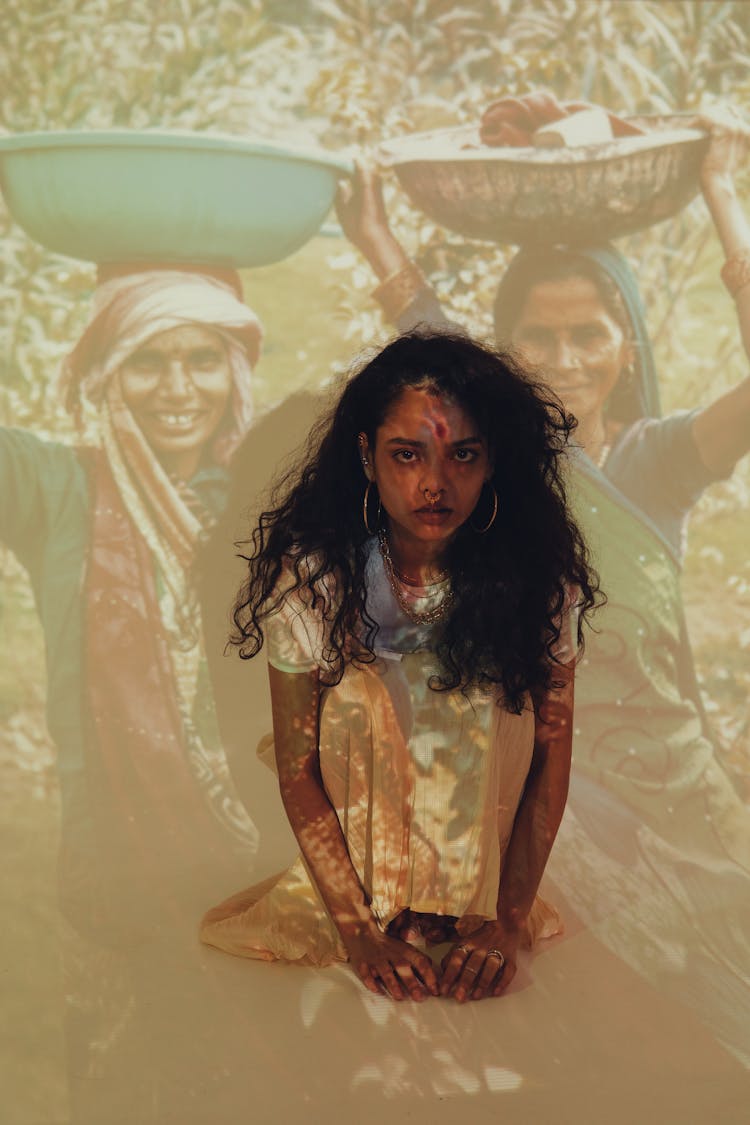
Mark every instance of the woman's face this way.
pixel 427 449
pixel 565 329
pixel 177 386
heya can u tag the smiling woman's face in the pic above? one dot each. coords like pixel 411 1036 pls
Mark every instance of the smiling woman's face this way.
pixel 429 463
pixel 177 386
pixel 566 331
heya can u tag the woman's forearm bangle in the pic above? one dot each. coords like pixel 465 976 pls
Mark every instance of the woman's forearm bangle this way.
pixel 399 289
pixel 735 273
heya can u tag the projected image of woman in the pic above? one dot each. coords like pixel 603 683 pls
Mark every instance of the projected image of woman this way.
pixel 415 587
pixel 109 535
pixel 658 857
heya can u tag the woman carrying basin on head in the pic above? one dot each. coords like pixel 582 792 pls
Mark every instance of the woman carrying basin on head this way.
pixel 577 317
pixel 413 585
pixel 655 848
pixel 109 534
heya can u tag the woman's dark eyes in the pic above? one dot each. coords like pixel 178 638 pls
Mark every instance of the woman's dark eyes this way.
pixel 538 337
pixel 144 362
pixel 465 456
pixel 155 364
pixel 206 358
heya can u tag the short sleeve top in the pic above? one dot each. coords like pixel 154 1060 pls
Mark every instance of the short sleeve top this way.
pixel 296 630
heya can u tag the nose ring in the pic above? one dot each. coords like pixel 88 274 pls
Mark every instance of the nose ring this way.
pixel 432 497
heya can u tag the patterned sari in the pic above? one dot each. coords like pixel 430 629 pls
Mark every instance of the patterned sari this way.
pixel 160 817
pixel 653 854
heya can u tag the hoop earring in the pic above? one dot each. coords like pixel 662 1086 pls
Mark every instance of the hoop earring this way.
pixel 481 530
pixel 365 501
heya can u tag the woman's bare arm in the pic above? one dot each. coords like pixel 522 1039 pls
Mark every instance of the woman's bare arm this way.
pixel 722 429
pixel 361 211
pixel 542 806
pixel 383 963
pixel 472 969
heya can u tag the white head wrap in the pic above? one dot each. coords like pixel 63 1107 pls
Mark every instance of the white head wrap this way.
pixel 129 310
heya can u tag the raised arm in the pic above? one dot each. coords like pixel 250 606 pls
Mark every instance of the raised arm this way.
pixel 484 964
pixel 361 211
pixel 383 963
pixel 722 430
pixel 404 294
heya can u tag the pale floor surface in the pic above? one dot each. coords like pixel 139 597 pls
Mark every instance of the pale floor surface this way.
pixel 584 1041
pixel 580 1038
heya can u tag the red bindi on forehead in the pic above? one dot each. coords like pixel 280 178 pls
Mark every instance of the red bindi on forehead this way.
pixel 436 419
pixel 425 414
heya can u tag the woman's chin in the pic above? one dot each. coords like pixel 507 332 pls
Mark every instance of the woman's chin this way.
pixel 180 454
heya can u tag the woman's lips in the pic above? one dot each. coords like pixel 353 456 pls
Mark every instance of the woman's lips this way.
pixel 433 515
pixel 178 420
pixel 564 389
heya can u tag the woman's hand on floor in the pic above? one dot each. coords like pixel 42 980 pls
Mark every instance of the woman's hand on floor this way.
pixel 388 965
pixel 481 965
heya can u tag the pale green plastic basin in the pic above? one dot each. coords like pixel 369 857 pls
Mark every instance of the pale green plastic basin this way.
pixel 129 195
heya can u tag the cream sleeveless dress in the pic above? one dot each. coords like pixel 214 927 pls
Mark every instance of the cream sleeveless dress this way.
pixel 425 786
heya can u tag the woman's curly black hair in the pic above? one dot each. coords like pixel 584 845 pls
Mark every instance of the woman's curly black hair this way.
pixel 509 584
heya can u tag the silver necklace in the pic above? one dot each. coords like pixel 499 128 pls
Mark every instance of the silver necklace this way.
pixel 429 616
pixel 407 581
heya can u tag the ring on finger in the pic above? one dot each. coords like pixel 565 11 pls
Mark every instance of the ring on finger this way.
pixel 464 949
pixel 497 953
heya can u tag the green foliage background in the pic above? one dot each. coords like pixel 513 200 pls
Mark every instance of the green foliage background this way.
pixel 345 73
pixel 352 72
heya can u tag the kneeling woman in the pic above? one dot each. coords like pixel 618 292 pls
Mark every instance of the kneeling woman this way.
pixel 416 586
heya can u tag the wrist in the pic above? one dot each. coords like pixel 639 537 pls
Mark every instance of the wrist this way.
pixel 353 928
pixel 735 273
pixel 718 186
pixel 384 253
pixel 399 289
pixel 507 931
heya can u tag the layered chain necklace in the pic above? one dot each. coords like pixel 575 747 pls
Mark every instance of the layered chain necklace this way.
pixel 427 617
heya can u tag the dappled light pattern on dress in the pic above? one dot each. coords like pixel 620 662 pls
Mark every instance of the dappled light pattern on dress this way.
pixel 425 785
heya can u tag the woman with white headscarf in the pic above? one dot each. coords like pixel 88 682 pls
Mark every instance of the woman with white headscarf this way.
pixel 108 535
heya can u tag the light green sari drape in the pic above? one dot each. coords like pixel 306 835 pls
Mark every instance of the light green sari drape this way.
pixel 640 730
